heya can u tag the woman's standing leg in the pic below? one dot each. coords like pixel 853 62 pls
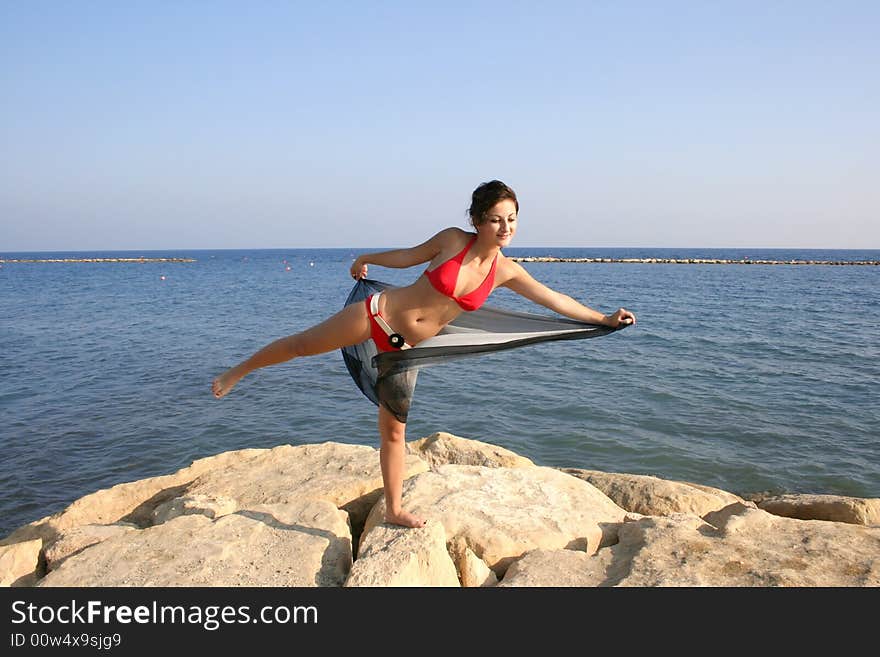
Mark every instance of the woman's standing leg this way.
pixel 392 458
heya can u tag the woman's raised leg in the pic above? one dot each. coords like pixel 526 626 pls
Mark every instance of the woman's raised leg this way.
pixel 349 326
pixel 392 458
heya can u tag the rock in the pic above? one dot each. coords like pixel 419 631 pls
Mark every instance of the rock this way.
pixel 552 568
pixel 130 502
pixel 472 571
pixel 443 448
pixel 349 476
pixel 76 539
pixel 212 507
pixel 651 496
pixel 289 516
pixel 19 563
pixel 502 513
pixel 237 482
pixel 298 543
pixel 854 510
pixel 737 546
pixel 397 556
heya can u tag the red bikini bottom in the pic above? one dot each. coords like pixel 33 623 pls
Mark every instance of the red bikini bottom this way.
pixel 383 335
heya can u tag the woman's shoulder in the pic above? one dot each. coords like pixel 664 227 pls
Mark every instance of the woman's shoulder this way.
pixel 459 232
pixel 453 236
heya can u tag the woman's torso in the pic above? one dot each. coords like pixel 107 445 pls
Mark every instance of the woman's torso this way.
pixel 419 311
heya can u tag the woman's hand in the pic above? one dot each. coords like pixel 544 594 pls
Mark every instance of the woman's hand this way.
pixel 358 269
pixel 620 317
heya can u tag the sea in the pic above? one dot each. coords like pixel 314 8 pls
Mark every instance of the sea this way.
pixel 749 378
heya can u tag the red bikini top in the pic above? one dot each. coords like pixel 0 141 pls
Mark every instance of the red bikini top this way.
pixel 444 278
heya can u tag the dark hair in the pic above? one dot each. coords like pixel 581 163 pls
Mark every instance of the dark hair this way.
pixel 486 196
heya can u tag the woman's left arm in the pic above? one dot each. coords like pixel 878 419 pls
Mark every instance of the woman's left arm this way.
pixel 521 282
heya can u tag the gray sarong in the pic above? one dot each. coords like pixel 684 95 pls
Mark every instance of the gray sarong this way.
pixel 389 378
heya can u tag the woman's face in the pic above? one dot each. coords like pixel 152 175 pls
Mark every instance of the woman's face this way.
pixel 499 223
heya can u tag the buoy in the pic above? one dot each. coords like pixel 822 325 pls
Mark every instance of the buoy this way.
pixel 162 277
pixel 288 267
pixel 311 264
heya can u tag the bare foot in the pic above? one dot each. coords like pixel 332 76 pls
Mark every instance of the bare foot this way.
pixel 225 382
pixel 405 519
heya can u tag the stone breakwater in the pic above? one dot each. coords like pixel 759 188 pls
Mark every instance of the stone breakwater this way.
pixel 698 261
pixel 312 515
pixel 136 260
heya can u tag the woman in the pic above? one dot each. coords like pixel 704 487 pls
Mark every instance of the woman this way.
pixel 463 270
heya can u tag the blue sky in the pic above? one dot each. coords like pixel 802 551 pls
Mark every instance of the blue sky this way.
pixel 163 125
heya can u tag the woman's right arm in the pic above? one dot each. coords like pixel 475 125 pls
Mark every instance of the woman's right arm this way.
pixel 403 258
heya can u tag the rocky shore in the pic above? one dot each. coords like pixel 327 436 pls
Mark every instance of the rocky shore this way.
pixel 126 260
pixel 311 515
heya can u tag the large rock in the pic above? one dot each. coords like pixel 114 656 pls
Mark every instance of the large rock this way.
pixel 854 510
pixel 396 556
pixel 651 496
pixel 297 543
pixel 503 512
pixel 349 476
pixel 443 448
pixel 19 562
pixel 737 546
